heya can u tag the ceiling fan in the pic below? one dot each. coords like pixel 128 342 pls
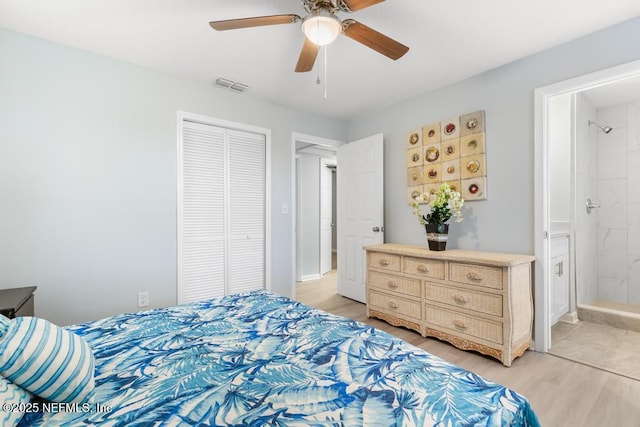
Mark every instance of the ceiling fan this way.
pixel 321 26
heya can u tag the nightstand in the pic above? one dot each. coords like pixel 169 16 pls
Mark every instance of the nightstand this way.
pixel 17 302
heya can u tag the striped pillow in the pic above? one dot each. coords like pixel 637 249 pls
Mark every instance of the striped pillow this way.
pixel 14 401
pixel 49 361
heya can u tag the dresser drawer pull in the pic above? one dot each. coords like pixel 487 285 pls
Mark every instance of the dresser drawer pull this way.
pixel 459 324
pixel 392 284
pixel 423 268
pixel 383 261
pixel 393 305
pixel 474 276
pixel 459 299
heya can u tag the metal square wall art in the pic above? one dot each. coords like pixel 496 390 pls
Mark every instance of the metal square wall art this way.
pixel 451 151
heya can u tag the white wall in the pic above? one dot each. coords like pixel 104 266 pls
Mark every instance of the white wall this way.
pixel 88 176
pixel 560 112
pixel 618 220
pixel 309 215
pixel 504 222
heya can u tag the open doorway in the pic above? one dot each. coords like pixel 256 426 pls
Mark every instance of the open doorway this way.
pixel 586 104
pixel 315 207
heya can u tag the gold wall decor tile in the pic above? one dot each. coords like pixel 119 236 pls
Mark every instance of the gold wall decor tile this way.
pixel 414 176
pixel 472 144
pixel 414 138
pixel 431 188
pixel 433 153
pixel 451 170
pixel 472 166
pixel 432 173
pixel 450 149
pixel 472 123
pixel 414 157
pixel 413 192
pixel 474 188
pixel 450 129
pixel 431 134
pixel 454 185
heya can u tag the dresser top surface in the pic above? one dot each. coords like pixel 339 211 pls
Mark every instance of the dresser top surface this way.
pixel 13 298
pixel 459 255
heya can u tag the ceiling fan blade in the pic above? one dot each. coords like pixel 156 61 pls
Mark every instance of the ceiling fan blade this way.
pixel 354 5
pixel 257 21
pixel 373 39
pixel 307 57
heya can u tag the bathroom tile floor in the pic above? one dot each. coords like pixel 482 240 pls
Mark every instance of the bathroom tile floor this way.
pixel 601 346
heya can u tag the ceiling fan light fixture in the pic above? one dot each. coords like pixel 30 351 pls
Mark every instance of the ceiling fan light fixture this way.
pixel 321 27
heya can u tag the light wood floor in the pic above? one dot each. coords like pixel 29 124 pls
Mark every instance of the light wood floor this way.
pixel 561 392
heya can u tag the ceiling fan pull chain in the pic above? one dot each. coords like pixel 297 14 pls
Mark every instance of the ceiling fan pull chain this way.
pixel 317 41
pixel 325 72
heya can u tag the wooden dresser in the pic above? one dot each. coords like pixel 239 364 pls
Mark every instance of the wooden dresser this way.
pixel 475 300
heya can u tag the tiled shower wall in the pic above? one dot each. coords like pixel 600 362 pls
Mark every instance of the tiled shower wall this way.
pixel 618 192
pixel 586 242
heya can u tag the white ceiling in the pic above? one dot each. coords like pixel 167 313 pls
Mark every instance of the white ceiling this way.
pixel 450 40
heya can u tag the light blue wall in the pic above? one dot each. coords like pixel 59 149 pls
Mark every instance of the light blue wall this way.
pixel 504 222
pixel 88 165
pixel 88 176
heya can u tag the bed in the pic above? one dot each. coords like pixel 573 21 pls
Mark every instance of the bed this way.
pixel 257 358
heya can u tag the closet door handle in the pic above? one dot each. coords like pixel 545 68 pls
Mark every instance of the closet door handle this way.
pixel 560 268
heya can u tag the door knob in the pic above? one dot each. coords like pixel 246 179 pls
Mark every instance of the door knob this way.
pixel 377 229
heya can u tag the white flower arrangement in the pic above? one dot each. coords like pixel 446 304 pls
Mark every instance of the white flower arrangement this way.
pixel 444 203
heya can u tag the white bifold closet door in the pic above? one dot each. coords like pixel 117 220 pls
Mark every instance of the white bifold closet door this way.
pixel 222 214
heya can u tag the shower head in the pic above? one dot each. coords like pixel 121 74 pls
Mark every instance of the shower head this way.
pixel 604 129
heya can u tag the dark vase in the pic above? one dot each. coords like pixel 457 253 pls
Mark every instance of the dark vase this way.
pixel 437 236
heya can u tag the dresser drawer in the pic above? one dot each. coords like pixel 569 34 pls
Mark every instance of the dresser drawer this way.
pixel 470 325
pixel 392 283
pixel 476 301
pixel 385 261
pixel 424 267
pixel 477 275
pixel 395 304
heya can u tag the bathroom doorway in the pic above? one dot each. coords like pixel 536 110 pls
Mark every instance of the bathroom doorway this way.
pixel 588 139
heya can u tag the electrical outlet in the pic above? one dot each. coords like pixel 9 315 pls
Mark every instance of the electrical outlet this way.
pixel 143 299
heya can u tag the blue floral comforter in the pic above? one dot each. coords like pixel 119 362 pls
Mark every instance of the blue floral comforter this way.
pixel 257 359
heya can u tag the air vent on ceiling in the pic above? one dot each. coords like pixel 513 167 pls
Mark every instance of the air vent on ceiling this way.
pixel 230 85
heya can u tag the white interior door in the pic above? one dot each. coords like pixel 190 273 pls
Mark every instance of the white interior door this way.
pixel 201 219
pixel 246 211
pixel 223 232
pixel 325 217
pixel 360 211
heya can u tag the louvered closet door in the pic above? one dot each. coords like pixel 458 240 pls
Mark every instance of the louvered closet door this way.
pixel 222 220
pixel 246 266
pixel 203 263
